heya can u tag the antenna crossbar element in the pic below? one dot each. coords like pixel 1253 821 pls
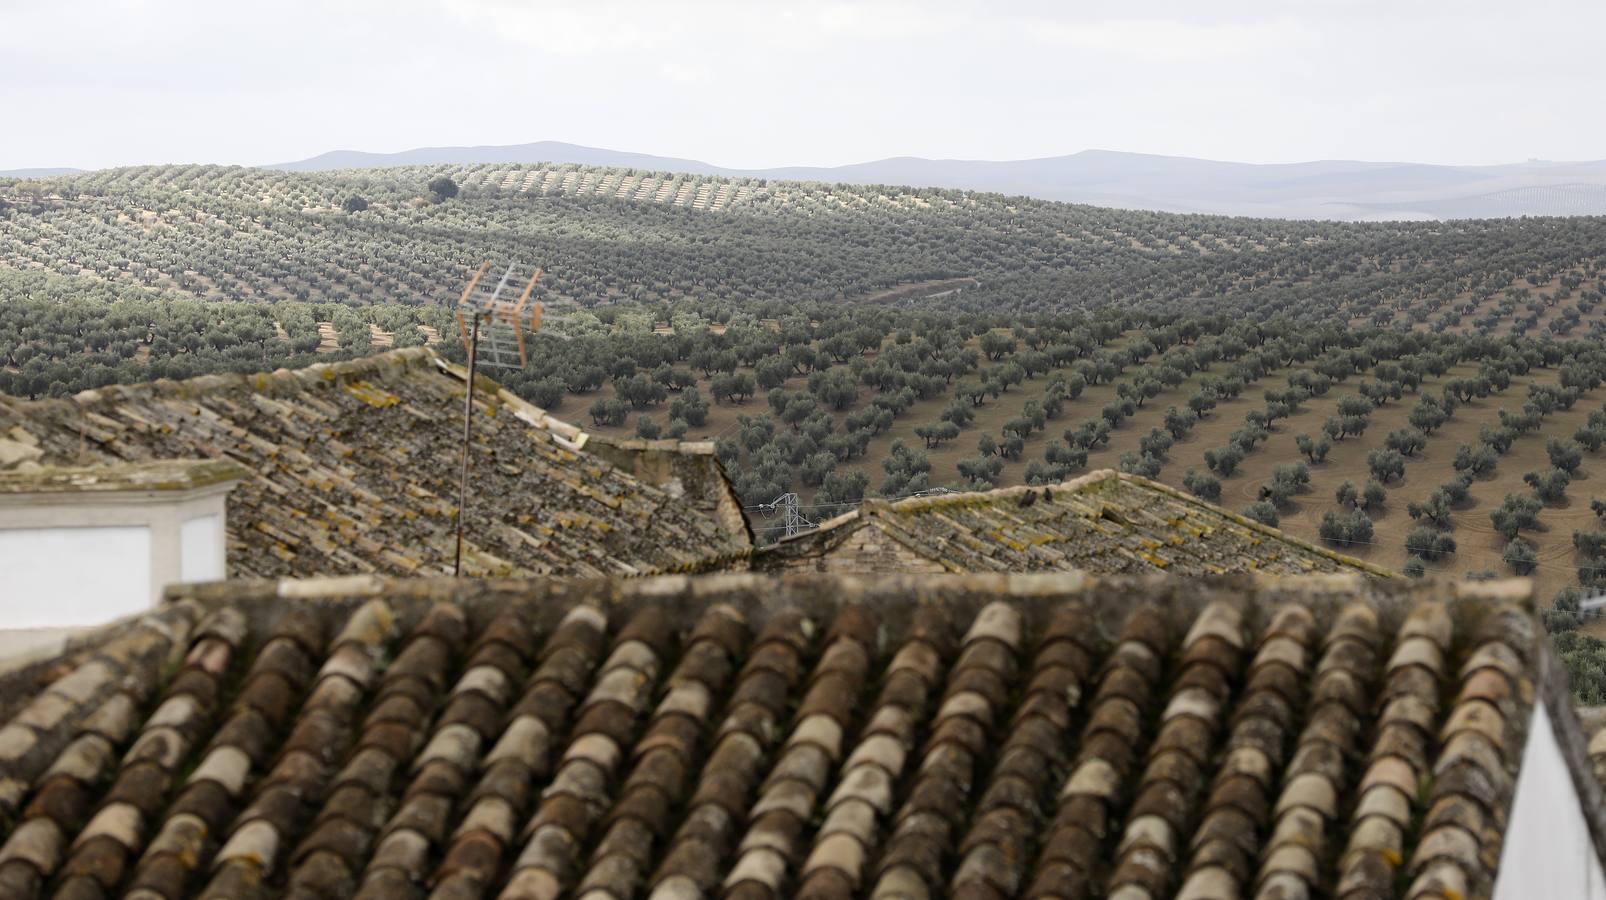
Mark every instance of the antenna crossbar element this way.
pixel 501 317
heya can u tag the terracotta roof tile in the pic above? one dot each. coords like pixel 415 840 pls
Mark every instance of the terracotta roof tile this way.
pixel 352 467
pixel 1103 522
pixel 744 737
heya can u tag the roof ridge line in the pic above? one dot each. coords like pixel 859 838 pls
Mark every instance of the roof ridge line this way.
pixel 262 382
pixel 1276 534
pixel 573 436
pixel 1513 590
pixel 1097 476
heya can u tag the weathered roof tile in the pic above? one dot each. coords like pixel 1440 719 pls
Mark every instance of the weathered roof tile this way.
pixel 340 477
pixel 1104 522
pixel 969 737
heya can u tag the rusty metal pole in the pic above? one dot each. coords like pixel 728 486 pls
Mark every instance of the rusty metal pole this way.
pixel 468 435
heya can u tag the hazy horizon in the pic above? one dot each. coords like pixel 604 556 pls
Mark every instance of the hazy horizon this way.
pixel 135 82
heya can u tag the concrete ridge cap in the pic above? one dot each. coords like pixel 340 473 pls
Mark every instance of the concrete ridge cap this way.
pixel 524 410
pixel 671 445
pixel 146 475
pixel 1511 592
pixel 201 385
pixel 1081 482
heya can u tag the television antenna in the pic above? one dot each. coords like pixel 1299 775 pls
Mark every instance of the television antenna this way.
pixel 492 322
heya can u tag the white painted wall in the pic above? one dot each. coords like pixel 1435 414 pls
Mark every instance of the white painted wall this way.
pixel 201 550
pixel 68 559
pixel 68 577
pixel 1547 852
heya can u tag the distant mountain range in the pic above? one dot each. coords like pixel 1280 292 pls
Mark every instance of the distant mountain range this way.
pixel 36 173
pixel 1328 189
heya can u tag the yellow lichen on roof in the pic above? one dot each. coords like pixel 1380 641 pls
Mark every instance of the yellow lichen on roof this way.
pixel 1104 521
pixel 380 438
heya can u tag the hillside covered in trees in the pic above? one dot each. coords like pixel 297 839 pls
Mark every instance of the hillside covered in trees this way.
pixel 1428 396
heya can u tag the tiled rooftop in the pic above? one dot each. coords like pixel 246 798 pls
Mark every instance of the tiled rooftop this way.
pixel 354 468
pixel 742 736
pixel 1104 522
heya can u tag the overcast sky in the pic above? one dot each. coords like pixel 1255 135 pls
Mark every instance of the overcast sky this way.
pixel 96 83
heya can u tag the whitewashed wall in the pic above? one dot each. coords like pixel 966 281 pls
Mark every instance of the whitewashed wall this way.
pixel 68 577
pixel 1548 854
pixel 201 548
pixel 70 560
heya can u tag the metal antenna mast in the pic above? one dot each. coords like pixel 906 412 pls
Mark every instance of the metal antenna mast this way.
pixel 501 321
pixel 787 505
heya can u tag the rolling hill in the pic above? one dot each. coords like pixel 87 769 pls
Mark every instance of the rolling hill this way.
pixel 835 341
pixel 1331 189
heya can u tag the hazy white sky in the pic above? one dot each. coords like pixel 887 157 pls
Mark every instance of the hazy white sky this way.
pixel 110 82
